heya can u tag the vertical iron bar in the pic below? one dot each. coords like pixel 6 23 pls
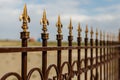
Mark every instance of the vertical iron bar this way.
pixel 101 59
pixel 79 51
pixel 104 56
pixel 86 44
pixel 86 40
pixel 44 54
pixel 24 37
pixel 119 55
pixel 114 62
pixel 44 37
pixel 107 44
pixel 59 44
pixel 91 51
pixel 79 57
pixel 112 59
pixel 110 68
pixel 96 43
pixel 70 38
pixel 91 44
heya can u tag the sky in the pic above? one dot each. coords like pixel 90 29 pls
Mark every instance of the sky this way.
pixel 101 14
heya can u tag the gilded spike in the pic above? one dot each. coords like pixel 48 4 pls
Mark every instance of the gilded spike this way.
pixel 44 21
pixel 25 11
pixel 119 36
pixel 114 37
pixel 91 32
pixel 86 31
pixel 101 35
pixel 70 28
pixel 59 25
pixel 119 31
pixel 96 33
pixel 79 29
pixel 25 19
pixel 104 35
pixel 107 36
pixel 110 36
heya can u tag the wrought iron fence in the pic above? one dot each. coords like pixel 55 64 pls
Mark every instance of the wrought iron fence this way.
pixel 103 66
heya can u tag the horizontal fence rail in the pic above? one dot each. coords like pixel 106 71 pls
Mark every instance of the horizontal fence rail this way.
pixel 30 49
pixel 102 64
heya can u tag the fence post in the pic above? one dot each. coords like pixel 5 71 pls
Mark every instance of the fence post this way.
pixel 24 37
pixel 91 51
pixel 86 44
pixel 70 38
pixel 44 36
pixel 59 43
pixel 79 50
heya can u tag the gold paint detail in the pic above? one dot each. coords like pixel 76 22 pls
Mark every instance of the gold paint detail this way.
pixel 86 31
pixel 107 36
pixel 44 22
pixel 101 35
pixel 104 35
pixel 70 28
pixel 25 19
pixel 96 33
pixel 91 32
pixel 59 25
pixel 79 30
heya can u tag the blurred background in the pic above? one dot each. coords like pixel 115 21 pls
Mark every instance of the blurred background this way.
pixel 102 14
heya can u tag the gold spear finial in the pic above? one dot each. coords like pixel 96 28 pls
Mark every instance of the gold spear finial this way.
pixel 113 37
pixel 119 31
pixel 119 36
pixel 79 29
pixel 70 27
pixel 59 25
pixel 96 33
pixel 110 36
pixel 44 21
pixel 25 19
pixel 91 32
pixel 101 35
pixel 107 36
pixel 104 35
pixel 86 31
